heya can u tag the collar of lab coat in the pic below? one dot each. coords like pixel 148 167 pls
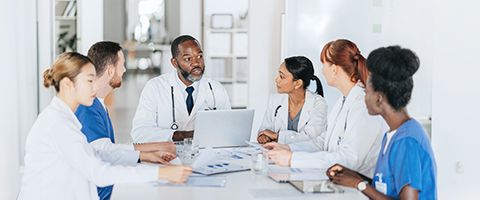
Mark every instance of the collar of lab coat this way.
pixel 202 90
pixel 337 118
pixel 338 113
pixel 63 108
pixel 182 86
pixel 353 94
pixel 307 108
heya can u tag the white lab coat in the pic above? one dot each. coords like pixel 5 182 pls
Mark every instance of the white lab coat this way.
pixel 312 122
pixel 115 154
pixel 61 164
pixel 353 138
pixel 153 118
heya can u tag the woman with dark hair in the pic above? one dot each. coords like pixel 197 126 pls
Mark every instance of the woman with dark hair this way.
pixel 406 166
pixel 352 137
pixel 299 111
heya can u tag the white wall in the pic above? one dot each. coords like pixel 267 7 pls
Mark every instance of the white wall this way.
pixel 172 15
pixel 415 31
pixel 90 20
pixel 191 18
pixel 264 53
pixel 26 56
pixel 310 24
pixel 9 164
pixel 19 65
pixel 90 30
pixel 455 95
pixel 45 48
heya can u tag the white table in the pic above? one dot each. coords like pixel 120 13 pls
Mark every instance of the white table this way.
pixel 240 185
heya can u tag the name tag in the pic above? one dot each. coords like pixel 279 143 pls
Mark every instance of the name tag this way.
pixel 381 187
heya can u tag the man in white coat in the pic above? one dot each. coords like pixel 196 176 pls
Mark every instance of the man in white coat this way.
pixel 168 104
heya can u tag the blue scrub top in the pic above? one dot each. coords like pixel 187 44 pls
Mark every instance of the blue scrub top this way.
pixel 96 124
pixel 409 160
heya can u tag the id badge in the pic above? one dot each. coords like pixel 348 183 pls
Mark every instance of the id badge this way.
pixel 381 187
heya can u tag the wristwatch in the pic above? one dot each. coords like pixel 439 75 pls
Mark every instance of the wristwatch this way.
pixel 362 186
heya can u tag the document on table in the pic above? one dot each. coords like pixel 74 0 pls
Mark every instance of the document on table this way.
pixel 207 163
pixel 205 156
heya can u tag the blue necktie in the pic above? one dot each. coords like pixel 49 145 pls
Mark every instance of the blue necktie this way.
pixel 189 99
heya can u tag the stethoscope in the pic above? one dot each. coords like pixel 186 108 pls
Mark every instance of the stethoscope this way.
pixel 174 125
pixel 275 117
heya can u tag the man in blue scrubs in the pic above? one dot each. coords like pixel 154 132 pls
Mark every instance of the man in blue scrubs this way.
pixel 109 63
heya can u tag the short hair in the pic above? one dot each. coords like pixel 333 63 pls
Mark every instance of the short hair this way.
pixel 302 68
pixel 102 54
pixel 179 40
pixel 391 70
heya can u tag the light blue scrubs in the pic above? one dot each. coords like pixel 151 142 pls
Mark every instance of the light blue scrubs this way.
pixel 408 160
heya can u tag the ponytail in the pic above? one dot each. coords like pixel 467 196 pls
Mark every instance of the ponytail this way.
pixel 346 54
pixel 319 90
pixel 302 69
pixel 361 71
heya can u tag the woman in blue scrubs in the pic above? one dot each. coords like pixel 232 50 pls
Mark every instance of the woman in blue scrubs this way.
pixel 406 166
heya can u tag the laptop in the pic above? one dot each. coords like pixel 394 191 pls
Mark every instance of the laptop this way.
pixel 223 128
pixel 322 186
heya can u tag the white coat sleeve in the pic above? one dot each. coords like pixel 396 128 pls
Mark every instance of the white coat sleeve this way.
pixel 116 154
pixel 73 148
pixel 144 124
pixel 361 133
pixel 304 146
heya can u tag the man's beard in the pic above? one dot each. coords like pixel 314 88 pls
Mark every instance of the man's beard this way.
pixel 116 81
pixel 189 76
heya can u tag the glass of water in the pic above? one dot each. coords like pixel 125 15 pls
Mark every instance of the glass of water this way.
pixel 190 151
pixel 259 163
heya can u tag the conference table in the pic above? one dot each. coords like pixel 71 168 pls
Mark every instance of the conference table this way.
pixel 237 185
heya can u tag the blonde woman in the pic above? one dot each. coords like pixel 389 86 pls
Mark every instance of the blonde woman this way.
pixel 59 162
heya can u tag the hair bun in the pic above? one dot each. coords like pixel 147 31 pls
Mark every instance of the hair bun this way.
pixel 48 78
pixel 398 64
